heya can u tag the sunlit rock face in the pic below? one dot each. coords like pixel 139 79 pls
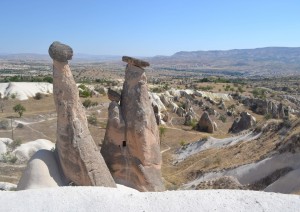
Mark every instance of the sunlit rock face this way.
pixel 131 146
pixel 78 155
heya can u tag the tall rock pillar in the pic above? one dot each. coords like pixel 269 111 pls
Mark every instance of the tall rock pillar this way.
pixel 78 155
pixel 132 152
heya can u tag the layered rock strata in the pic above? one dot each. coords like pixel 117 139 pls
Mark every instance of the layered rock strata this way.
pixel 131 146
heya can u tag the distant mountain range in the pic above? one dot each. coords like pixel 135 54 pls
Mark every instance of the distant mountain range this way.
pixel 245 62
pixel 285 54
pixel 45 57
pixel 261 61
pixel 268 53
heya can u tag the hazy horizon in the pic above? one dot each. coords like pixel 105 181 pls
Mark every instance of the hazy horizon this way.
pixel 103 55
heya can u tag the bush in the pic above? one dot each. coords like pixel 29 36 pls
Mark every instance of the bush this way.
pixel 162 132
pixel 223 118
pixel 92 119
pixel 240 89
pixel 84 91
pixel 259 93
pixel 231 107
pixel 88 103
pixel 157 90
pixel 8 158
pixel 100 90
pixel 182 143
pixel 193 123
pixel 13 96
pixel 207 162
pixel 227 87
pixel 38 96
pixel 103 125
pixel 287 123
pixel 48 79
pixel 218 160
pixel 205 88
pixel 268 116
pixel 14 144
pixel 4 124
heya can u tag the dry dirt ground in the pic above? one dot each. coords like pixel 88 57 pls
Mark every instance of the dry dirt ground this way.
pixel 40 117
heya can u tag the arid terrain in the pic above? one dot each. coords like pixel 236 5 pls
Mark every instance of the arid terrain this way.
pixel 261 155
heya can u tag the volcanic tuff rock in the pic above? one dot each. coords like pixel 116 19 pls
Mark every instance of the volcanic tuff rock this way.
pixel 42 171
pixel 60 52
pixel 113 95
pixel 205 124
pixel 77 152
pixel 263 107
pixel 131 146
pixel 189 113
pixel 244 122
pixel 135 62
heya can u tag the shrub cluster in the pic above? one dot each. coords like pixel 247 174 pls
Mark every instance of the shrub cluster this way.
pixel 89 103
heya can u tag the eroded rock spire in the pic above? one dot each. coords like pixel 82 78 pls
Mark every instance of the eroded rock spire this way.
pixel 78 155
pixel 131 146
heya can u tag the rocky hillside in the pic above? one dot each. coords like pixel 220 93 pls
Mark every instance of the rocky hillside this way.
pixel 281 61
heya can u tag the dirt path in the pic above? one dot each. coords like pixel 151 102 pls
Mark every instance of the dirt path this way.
pixel 167 149
pixel 41 133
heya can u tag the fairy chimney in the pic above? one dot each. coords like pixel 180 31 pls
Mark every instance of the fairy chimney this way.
pixel 131 145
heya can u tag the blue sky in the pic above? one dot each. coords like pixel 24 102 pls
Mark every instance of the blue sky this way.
pixel 147 28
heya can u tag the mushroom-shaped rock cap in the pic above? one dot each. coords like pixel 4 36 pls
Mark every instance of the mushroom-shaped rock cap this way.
pixel 113 95
pixel 135 62
pixel 60 52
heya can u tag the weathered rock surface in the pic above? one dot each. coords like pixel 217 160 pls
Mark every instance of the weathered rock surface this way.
pixel 205 124
pixel 78 154
pixel 181 112
pixel 113 95
pixel 244 122
pixel 190 115
pixel 131 146
pixel 156 114
pixel 165 116
pixel 263 107
pixel 60 52
pixel 155 99
pixel 135 62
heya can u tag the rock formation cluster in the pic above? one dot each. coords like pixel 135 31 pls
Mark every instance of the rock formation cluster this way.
pixel 263 107
pixel 131 146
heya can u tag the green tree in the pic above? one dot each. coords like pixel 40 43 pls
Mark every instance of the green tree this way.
pixel 20 109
